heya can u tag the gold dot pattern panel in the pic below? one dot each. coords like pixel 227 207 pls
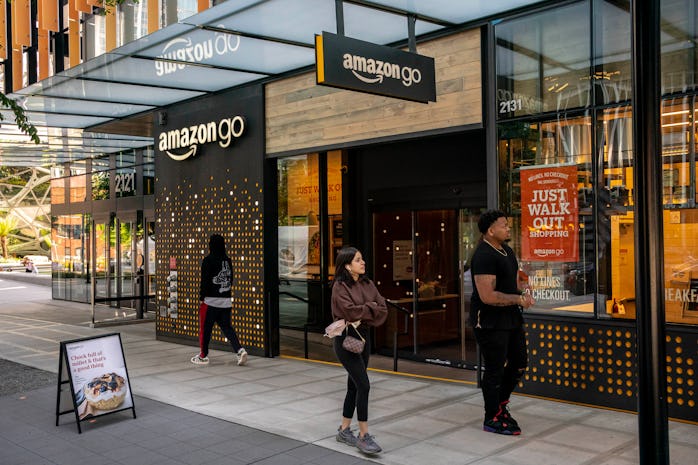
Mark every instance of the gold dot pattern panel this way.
pixel 186 218
pixel 597 364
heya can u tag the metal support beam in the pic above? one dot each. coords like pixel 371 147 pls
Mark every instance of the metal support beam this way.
pixel 653 436
pixel 339 14
pixel 411 38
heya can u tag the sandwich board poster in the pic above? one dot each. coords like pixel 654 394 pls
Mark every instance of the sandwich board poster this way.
pixel 98 376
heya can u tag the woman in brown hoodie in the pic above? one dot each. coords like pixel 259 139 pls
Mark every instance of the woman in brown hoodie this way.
pixel 355 298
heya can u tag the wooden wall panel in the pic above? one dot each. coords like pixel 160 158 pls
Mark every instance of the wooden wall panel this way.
pixel 153 16
pixel 73 35
pixel 21 25
pixel 4 43
pixel 110 29
pixel 301 114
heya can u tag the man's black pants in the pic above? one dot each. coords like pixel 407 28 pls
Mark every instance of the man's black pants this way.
pixel 505 359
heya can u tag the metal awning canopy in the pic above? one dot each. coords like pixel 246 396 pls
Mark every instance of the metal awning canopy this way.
pixel 232 44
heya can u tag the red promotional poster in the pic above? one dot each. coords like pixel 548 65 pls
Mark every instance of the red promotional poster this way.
pixel 549 213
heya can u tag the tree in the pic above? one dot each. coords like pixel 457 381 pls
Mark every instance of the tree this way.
pixel 7 225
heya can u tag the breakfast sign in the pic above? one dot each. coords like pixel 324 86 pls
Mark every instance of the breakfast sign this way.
pixel 97 376
pixel 549 212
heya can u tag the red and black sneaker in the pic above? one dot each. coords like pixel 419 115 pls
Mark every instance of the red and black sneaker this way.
pixel 497 424
pixel 507 418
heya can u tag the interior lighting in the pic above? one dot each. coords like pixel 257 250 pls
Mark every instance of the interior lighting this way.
pixel 680 112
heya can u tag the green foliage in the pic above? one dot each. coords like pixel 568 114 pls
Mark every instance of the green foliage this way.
pixel 20 118
pixel 100 185
pixel 7 226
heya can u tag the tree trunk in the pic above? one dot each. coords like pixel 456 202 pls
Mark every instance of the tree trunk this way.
pixel 3 244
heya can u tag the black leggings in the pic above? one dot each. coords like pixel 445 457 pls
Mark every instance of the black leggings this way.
pixel 211 316
pixel 505 359
pixel 357 383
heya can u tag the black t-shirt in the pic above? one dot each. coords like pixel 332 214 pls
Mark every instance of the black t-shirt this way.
pixel 487 260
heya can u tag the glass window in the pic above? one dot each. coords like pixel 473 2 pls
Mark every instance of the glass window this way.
pixel 548 168
pixel 676 153
pixel 58 191
pixel 615 221
pixel 68 244
pixel 565 56
pixel 126 256
pixel 680 212
pixel 177 10
pixel 95 36
pixel 150 270
pixel 299 204
pixel 125 176
pixel 679 20
pixel 300 279
pixel 334 206
pixel 612 71
pixel 100 179
pixel 148 172
pixel 132 21
pixel 58 184
pixel 543 62
pixel 78 181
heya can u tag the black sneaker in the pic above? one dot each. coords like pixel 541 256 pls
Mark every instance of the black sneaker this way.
pixel 507 418
pixel 499 426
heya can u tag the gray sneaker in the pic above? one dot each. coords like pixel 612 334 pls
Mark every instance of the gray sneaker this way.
pixel 367 445
pixel 346 436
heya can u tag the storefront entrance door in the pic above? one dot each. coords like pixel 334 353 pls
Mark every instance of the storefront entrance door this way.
pixel 420 263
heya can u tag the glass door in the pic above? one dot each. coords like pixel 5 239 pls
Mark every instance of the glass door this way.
pixel 104 259
pixel 420 264
pixel 310 233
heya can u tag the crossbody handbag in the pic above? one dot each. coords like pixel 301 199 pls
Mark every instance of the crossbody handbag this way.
pixel 353 344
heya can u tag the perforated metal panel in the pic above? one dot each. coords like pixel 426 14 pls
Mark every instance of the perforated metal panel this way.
pixel 217 191
pixel 596 363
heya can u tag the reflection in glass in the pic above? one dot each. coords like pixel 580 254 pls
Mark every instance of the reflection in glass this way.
pixel 541 62
pixel 676 153
pixel 100 179
pixel 612 72
pixel 300 250
pixel 678 26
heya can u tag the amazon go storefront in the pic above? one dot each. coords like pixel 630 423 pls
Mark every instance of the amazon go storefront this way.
pixel 290 171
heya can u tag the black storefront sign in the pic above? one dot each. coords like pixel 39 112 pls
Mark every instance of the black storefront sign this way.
pixel 357 65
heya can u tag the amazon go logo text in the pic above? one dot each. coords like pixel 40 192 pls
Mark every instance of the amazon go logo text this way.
pixel 190 137
pixel 380 70
pixel 182 50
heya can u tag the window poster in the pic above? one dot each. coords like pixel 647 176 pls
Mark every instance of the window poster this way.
pixel 402 260
pixel 549 213
pixel 98 375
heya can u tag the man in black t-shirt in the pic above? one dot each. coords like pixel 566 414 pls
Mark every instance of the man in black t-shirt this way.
pixel 498 297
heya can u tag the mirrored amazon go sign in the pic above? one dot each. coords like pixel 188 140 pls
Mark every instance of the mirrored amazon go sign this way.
pixel 357 65
pixel 182 143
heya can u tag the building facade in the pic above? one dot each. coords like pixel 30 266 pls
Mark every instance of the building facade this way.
pixel 533 116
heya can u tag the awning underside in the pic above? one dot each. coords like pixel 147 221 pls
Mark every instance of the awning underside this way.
pixel 229 45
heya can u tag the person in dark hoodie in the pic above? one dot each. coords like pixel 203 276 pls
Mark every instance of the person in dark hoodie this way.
pixel 215 297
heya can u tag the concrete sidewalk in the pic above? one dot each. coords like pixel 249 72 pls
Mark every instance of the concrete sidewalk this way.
pixel 416 421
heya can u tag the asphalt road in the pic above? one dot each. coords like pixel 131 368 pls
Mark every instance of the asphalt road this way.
pixel 18 378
